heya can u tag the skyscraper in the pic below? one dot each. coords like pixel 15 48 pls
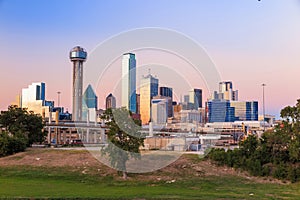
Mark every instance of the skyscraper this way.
pixel 220 111
pixel 90 97
pixel 148 89
pixel 138 103
pixel 110 102
pixel 90 104
pixel 226 92
pixel 35 91
pixel 77 56
pixel 159 111
pixel 245 110
pixel 33 98
pixel 167 92
pixel 195 98
pixel 129 82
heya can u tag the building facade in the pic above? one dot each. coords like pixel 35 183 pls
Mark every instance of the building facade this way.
pixel 226 92
pixel 167 92
pixel 159 111
pixel 148 89
pixel 245 110
pixel 220 111
pixel 33 98
pixel 110 102
pixel 195 98
pixel 190 116
pixel 90 104
pixel 129 82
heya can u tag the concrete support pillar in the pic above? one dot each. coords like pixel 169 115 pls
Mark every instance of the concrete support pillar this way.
pixel 95 136
pixel 65 136
pixel 70 135
pixel 87 135
pixel 103 139
pixel 49 136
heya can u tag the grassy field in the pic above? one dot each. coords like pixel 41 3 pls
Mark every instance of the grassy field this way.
pixel 35 182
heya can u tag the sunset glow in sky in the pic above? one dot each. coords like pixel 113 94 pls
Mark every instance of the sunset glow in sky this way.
pixel 251 42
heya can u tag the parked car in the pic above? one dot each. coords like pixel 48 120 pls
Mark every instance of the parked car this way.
pixel 77 142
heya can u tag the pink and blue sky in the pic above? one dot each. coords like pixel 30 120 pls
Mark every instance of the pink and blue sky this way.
pixel 251 42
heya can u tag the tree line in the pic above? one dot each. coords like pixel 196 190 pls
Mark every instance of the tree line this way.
pixel 276 153
pixel 19 128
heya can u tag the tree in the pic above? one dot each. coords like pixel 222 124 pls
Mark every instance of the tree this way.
pixel 10 144
pixel 124 138
pixel 23 124
pixel 249 146
pixel 291 128
pixel 276 153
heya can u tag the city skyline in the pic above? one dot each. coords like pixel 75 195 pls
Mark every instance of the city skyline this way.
pixel 250 42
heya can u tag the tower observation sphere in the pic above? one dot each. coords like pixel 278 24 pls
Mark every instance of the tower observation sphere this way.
pixel 77 55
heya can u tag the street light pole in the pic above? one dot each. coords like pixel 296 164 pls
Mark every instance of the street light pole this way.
pixel 263 87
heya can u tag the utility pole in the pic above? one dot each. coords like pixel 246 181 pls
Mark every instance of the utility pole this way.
pixel 263 87
pixel 58 98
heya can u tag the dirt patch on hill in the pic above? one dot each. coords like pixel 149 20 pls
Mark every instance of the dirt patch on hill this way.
pixel 83 162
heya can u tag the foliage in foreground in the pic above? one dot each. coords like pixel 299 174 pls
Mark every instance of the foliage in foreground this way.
pixel 19 129
pixel 276 153
pixel 124 138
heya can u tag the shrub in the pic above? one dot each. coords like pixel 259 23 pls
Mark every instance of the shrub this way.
pixel 10 144
pixel 280 171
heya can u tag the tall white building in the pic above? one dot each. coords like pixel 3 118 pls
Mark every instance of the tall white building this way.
pixel 129 82
pixel 33 98
pixel 159 111
pixel 34 92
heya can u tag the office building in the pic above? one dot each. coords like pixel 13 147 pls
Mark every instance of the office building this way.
pixel 148 89
pixel 186 98
pixel 245 110
pixel 138 103
pixel 226 92
pixel 220 111
pixel 77 55
pixel 33 98
pixel 167 92
pixel 159 111
pixel 169 104
pixel 90 104
pixel 110 102
pixel 195 98
pixel 129 82
pixel 190 116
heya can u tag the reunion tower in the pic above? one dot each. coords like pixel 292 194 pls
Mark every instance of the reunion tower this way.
pixel 77 56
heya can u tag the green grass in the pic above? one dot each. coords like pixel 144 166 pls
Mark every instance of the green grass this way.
pixel 62 182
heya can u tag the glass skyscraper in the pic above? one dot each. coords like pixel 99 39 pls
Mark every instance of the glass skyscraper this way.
pixel 195 98
pixel 90 98
pixel 129 82
pixel 89 104
pixel 245 110
pixel 220 111
pixel 148 89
